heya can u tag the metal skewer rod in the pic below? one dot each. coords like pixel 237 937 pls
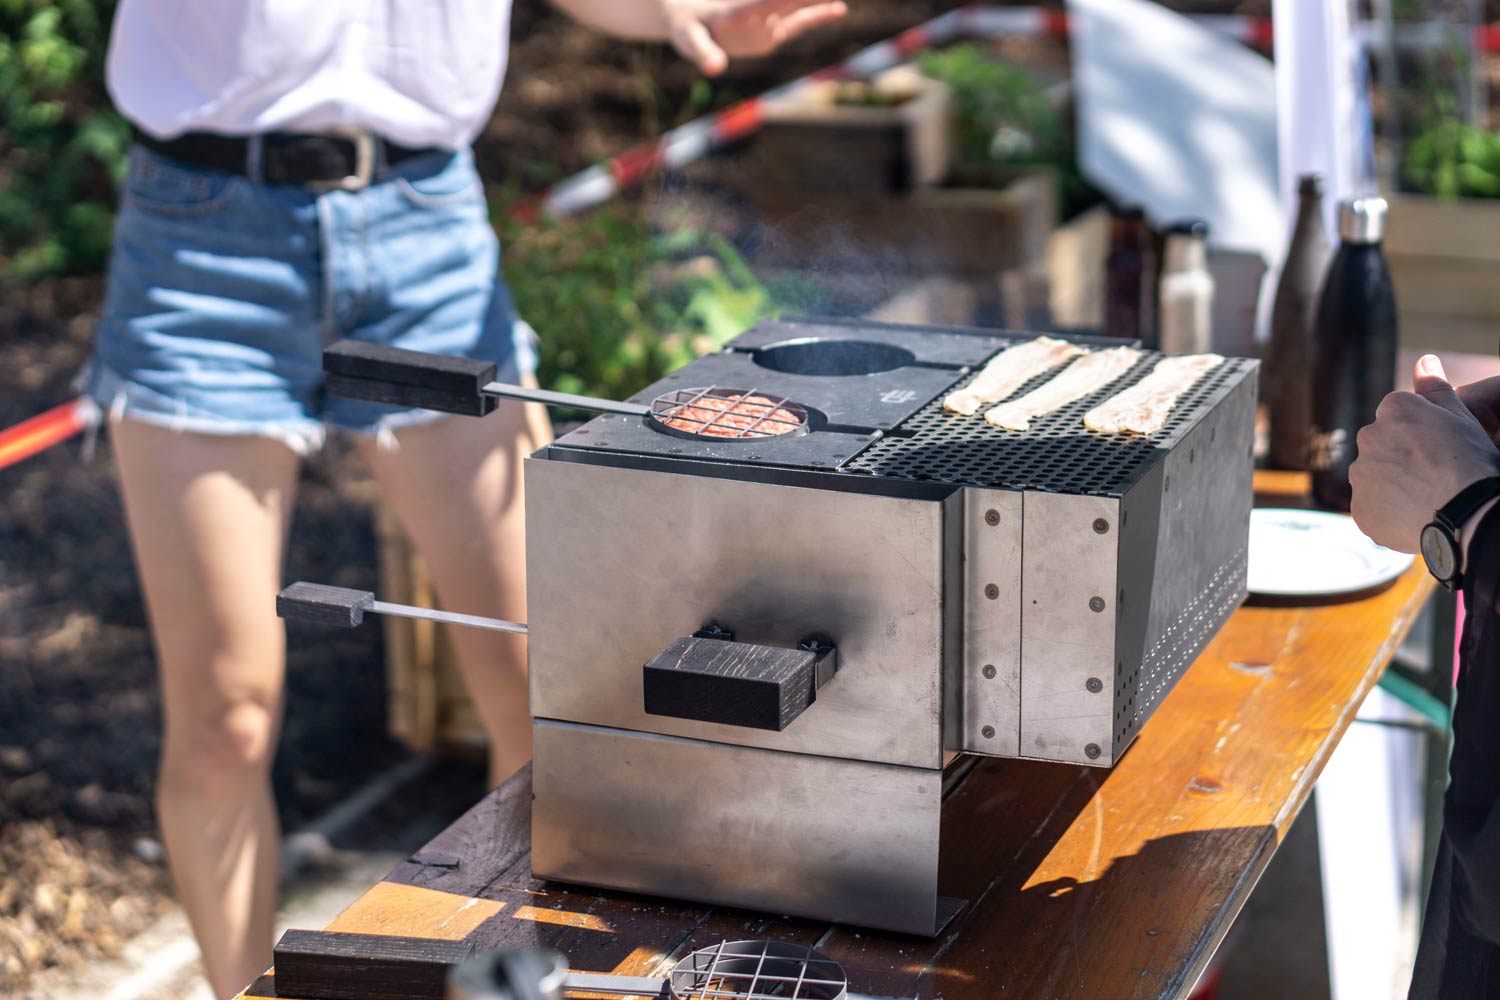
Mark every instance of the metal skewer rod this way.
pixel 344 607
pixel 447 617
pixel 588 982
pixel 568 399
pixel 646 986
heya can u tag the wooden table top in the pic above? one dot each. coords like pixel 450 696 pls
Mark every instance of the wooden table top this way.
pixel 1081 882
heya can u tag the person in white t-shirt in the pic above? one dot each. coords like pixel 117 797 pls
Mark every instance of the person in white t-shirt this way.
pixel 302 174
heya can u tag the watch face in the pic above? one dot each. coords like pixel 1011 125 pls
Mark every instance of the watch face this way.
pixel 1437 550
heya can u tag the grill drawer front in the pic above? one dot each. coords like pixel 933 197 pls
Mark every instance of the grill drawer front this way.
pixel 839 840
pixel 622 562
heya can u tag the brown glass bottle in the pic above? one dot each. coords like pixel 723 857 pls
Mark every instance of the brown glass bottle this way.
pixel 1125 275
pixel 1286 375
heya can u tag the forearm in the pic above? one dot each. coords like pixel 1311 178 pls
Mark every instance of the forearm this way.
pixel 1472 805
pixel 641 20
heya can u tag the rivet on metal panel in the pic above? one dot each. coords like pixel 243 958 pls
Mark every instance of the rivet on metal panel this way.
pixel 1096 604
pixel 989 671
pixel 993 592
pixel 1101 526
pixel 1092 751
pixel 992 517
pixel 1095 685
pixel 988 732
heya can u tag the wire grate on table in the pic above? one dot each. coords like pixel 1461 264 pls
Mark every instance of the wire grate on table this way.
pixel 1058 454
pixel 757 970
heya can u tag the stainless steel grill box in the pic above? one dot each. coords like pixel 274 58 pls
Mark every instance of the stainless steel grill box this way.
pixel 1017 595
pixel 776 596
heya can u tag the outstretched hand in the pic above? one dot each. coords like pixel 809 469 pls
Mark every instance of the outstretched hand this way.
pixel 709 32
pixel 1423 448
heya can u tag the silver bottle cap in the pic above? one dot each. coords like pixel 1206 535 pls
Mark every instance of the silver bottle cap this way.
pixel 1362 219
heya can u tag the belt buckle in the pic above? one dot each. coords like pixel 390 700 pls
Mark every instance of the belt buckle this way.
pixel 364 163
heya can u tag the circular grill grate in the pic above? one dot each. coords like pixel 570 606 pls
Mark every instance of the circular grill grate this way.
pixel 727 414
pixel 1058 453
pixel 758 970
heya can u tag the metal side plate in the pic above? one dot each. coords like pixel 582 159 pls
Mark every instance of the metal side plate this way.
pixel 992 622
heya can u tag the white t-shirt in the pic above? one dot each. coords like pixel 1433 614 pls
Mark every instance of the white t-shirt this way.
pixel 418 72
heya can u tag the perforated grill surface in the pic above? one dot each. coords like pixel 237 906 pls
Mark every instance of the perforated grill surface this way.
pixel 1057 454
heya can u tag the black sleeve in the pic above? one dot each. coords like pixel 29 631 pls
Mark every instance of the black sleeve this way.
pixel 1471 811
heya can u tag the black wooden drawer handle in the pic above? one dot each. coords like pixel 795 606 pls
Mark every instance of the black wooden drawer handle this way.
pixel 708 677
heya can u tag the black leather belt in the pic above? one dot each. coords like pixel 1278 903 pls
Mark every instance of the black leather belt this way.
pixel 346 161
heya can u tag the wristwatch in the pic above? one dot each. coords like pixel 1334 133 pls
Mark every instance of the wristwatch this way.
pixel 1442 548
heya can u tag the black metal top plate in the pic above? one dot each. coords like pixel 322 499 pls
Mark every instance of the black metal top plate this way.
pixel 877 402
pixel 818 449
pixel 956 347
pixel 928 447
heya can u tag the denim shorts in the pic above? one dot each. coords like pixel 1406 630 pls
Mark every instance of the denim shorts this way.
pixel 223 293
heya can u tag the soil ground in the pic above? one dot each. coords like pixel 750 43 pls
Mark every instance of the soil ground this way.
pixel 80 870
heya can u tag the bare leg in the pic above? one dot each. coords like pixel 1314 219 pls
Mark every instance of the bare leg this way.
pixel 456 487
pixel 208 517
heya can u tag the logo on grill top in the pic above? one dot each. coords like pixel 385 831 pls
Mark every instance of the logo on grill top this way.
pixel 899 396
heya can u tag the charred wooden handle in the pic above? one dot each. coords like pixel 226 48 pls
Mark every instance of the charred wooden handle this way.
pixel 320 604
pixel 707 678
pixel 381 374
pixel 337 966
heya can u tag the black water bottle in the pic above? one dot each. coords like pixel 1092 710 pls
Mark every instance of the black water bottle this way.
pixel 1286 376
pixel 1355 354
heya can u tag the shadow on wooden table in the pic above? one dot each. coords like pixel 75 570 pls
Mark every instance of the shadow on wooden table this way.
pixel 1021 933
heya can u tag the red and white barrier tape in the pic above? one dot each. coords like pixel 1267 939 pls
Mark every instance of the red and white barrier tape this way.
pixel 41 432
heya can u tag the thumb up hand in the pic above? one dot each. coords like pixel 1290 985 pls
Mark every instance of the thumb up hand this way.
pixel 1423 448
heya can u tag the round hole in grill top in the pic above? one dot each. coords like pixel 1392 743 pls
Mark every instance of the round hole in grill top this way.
pixel 815 356
pixel 758 970
pixel 715 413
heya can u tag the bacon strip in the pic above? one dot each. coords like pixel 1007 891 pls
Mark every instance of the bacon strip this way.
pixel 1143 408
pixel 1008 371
pixel 1089 373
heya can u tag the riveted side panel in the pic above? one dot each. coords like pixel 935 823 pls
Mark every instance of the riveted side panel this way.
pixel 991 678
pixel 1069 575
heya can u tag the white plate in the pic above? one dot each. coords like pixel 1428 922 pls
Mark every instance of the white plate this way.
pixel 1312 553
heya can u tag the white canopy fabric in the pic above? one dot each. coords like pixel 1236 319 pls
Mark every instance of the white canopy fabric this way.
pixel 1324 125
pixel 1178 119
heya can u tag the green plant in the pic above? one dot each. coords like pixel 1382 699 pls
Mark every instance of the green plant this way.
pixel 618 306
pixel 1454 160
pixel 993 98
pixel 1007 119
pixel 62 149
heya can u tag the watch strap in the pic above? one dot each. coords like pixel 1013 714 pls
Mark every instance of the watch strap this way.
pixel 1448 521
pixel 1455 512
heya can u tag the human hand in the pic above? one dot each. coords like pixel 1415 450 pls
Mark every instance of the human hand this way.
pixel 1423 448
pixel 1483 400
pixel 708 32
